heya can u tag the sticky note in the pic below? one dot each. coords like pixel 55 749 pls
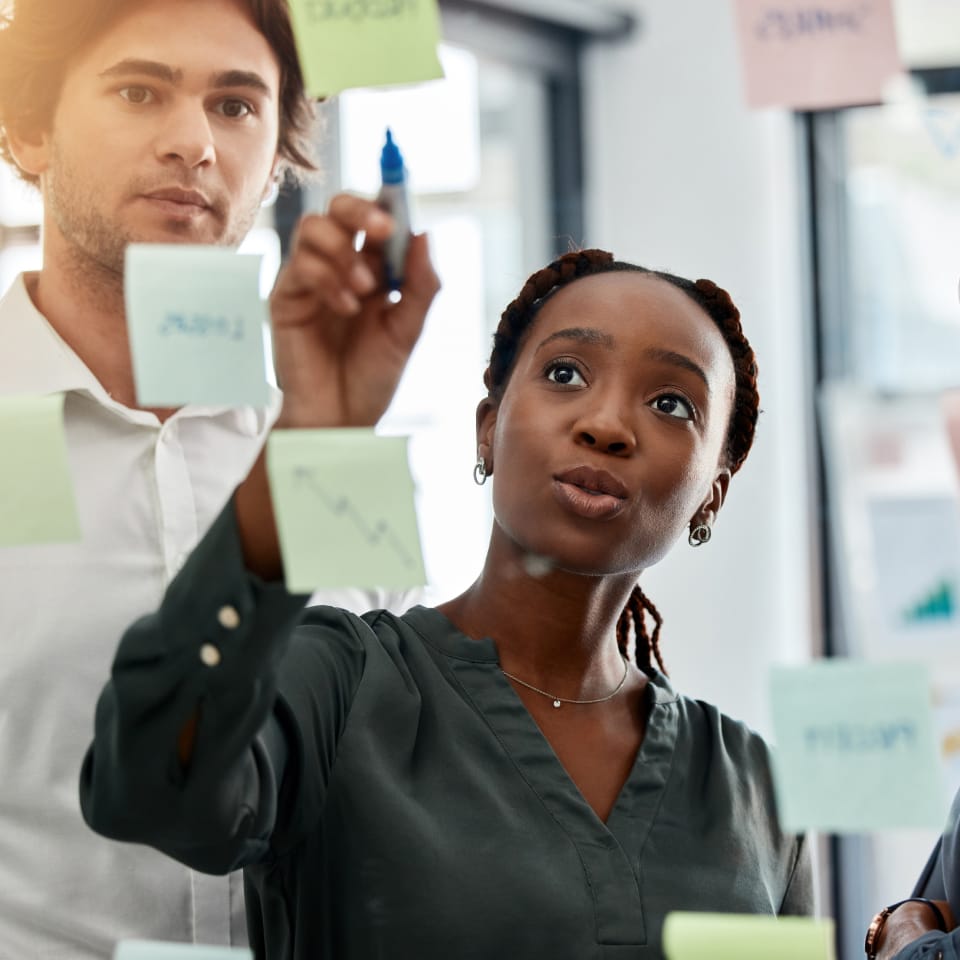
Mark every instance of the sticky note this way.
pixel 344 502
pixel 816 56
pixel 196 324
pixel 855 747
pixel 734 936
pixel 366 43
pixel 37 503
pixel 157 950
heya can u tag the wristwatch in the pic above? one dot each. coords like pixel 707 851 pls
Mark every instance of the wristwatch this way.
pixel 871 943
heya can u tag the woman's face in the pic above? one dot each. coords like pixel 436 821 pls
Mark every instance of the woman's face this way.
pixel 609 437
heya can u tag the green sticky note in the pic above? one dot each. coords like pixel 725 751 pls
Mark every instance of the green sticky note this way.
pixel 734 936
pixel 37 502
pixel 345 512
pixel 157 950
pixel 856 749
pixel 196 324
pixel 366 43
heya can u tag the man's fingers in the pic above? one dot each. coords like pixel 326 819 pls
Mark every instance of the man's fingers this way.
pixel 358 215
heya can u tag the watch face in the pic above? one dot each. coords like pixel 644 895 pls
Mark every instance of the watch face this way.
pixel 873 933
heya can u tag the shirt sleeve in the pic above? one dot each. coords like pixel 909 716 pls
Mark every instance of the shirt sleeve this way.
pixel 213 650
pixel 933 946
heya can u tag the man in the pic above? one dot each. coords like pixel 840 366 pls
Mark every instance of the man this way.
pixel 151 121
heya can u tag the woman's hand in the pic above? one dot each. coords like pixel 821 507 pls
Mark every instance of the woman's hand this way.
pixel 340 346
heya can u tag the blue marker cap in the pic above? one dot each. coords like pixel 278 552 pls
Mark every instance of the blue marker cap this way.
pixel 391 162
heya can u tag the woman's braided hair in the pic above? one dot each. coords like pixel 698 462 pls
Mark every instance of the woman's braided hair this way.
pixel 517 320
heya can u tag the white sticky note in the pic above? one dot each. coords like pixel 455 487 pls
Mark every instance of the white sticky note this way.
pixel 855 747
pixel 196 324
pixel 157 950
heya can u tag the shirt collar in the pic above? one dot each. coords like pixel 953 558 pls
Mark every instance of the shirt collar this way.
pixel 36 360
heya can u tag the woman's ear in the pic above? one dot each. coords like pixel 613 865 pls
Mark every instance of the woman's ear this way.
pixel 486 422
pixel 707 513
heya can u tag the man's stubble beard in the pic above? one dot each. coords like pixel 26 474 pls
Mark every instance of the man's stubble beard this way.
pixel 100 242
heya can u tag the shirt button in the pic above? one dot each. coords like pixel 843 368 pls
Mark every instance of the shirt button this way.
pixel 228 617
pixel 209 655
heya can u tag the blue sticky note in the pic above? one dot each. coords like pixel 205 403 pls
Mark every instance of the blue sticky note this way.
pixel 37 502
pixel 856 749
pixel 344 503
pixel 157 950
pixel 732 936
pixel 196 324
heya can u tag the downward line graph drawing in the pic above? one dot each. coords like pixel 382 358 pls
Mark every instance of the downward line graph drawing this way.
pixel 340 505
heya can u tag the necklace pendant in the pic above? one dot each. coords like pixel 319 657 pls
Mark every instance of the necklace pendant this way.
pixel 556 704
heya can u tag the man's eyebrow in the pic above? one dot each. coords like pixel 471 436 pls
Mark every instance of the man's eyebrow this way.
pixel 144 68
pixel 241 78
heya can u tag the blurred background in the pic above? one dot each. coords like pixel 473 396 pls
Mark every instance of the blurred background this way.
pixel 623 124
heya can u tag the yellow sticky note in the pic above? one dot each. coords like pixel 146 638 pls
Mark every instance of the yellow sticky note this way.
pixel 366 43
pixel 37 503
pixel 345 512
pixel 735 936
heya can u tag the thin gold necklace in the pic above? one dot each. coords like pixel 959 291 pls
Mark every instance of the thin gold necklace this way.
pixel 558 701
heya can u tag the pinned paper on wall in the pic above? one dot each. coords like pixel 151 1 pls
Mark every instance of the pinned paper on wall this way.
pixel 812 57
pixel 196 324
pixel 366 43
pixel 730 936
pixel 158 950
pixel 37 503
pixel 344 502
pixel 855 747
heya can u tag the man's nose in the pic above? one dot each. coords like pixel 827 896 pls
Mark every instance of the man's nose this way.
pixel 186 136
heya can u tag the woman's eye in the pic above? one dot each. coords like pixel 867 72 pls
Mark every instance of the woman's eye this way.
pixel 673 406
pixel 136 94
pixel 566 374
pixel 235 109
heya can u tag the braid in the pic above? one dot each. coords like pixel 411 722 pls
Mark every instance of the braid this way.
pixel 515 323
pixel 648 644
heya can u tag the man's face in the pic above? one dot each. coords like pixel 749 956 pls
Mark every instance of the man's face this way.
pixel 165 131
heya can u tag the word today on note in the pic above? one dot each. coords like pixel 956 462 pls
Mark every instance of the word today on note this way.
pixel 37 503
pixel 729 936
pixel 196 324
pixel 344 502
pixel 366 43
pixel 814 56
pixel 855 747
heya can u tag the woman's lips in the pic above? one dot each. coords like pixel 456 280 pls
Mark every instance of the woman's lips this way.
pixel 594 494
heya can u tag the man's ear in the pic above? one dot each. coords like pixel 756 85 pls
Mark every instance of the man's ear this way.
pixel 487 410
pixel 30 149
pixel 271 188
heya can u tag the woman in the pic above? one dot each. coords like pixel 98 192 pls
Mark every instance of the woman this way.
pixel 494 776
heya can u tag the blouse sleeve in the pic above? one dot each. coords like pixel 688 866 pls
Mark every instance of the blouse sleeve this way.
pixel 213 650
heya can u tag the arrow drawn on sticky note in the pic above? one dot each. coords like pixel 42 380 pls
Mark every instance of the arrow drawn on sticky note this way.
pixel 943 126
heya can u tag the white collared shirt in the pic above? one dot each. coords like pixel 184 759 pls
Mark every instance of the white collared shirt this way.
pixel 146 492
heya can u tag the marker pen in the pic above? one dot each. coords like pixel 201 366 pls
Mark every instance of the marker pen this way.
pixel 393 199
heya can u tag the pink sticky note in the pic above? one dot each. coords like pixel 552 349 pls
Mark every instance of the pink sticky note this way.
pixel 950 402
pixel 811 56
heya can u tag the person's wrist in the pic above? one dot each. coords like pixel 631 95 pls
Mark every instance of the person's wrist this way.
pixel 901 923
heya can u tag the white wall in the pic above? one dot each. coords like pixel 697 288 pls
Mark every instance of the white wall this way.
pixel 681 176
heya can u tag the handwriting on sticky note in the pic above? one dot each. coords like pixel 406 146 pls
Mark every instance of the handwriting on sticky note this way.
pixel 344 502
pixel 196 325
pixel 366 43
pixel 37 503
pixel 728 936
pixel 157 950
pixel 813 56
pixel 856 749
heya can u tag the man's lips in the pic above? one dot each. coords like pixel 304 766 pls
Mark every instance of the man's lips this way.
pixel 180 197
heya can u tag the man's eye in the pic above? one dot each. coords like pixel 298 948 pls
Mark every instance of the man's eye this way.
pixel 235 109
pixel 135 94
pixel 566 374
pixel 674 406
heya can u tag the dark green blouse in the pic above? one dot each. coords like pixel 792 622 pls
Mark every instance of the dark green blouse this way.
pixel 390 796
